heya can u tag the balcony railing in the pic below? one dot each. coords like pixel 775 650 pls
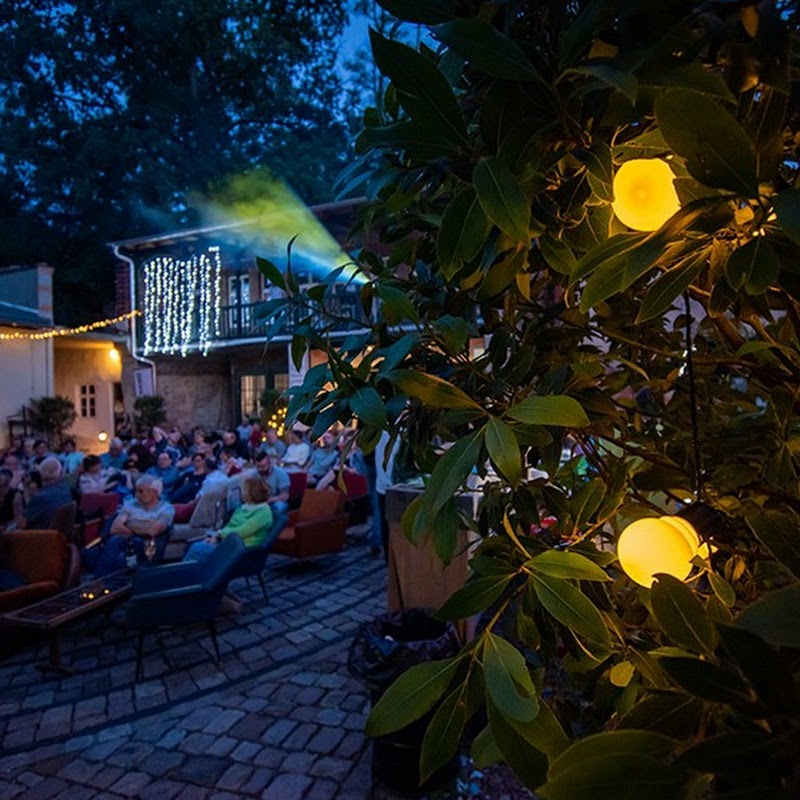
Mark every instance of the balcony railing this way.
pixel 243 322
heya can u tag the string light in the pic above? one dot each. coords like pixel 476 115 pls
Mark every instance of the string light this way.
pixel 52 333
pixel 182 302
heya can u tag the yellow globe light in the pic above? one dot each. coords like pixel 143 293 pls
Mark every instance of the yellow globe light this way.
pixel 113 355
pixel 649 546
pixel 644 194
pixel 102 436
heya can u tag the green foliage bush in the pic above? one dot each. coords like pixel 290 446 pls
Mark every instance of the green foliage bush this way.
pixel 53 416
pixel 149 411
pixel 489 170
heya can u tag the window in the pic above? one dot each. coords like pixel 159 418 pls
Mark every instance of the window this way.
pixel 251 388
pixel 86 400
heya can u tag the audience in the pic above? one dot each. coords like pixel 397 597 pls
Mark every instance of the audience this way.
pixel 45 501
pixel 165 471
pixel 297 453
pixel 276 480
pixel 115 457
pixel 324 458
pixel 11 505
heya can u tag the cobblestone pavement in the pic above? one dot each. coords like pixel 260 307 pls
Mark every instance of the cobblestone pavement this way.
pixel 280 718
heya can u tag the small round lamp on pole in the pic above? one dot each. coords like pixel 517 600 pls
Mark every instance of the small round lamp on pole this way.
pixel 644 194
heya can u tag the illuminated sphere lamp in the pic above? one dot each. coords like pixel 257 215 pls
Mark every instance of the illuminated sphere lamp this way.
pixel 113 354
pixel 103 436
pixel 644 194
pixel 653 545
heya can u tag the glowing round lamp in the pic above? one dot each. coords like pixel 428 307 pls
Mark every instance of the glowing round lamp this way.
pixel 644 194
pixel 102 436
pixel 649 546
pixel 113 354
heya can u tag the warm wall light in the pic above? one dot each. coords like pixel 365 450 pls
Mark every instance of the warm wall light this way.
pixel 103 436
pixel 644 194
pixel 113 354
pixel 652 545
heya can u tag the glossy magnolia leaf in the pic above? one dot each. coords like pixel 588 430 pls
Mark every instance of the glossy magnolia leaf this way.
pixel 486 49
pixel 622 674
pixel 423 90
pixel 754 266
pixel 672 714
pixel 413 694
pixel 568 565
pixel 586 500
pixel 431 390
pixel 451 470
pixel 408 522
pixel 367 405
pixel 599 166
pixel 394 354
pixel 681 615
pixel 544 732
pixel 552 409
pixel 608 249
pixel 396 307
pixel 484 750
pixel 271 272
pixel 717 150
pixel 621 80
pixel 611 745
pixel 774 617
pixel 502 198
pixel 722 589
pixel 443 735
pixel 420 142
pixel 527 761
pixel 504 450
pixel 780 534
pixel 707 680
pixel 463 230
pixel 766 670
pixel 619 272
pixel 508 682
pixel 425 12
pixel 668 287
pixel 453 333
pixel 445 529
pixel 557 254
pixel 690 76
pixel 787 209
pixel 500 275
pixel 571 608
pixel 475 596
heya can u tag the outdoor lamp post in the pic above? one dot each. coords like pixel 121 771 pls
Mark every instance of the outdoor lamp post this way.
pixel 644 194
pixel 652 545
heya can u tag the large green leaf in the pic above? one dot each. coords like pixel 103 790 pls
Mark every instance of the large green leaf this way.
pixel 780 534
pixel 787 209
pixel 550 409
pixel 425 12
pixel 487 49
pixel 570 607
pixel 271 272
pixel 367 405
pixel 774 616
pixel 420 141
pixel 613 765
pixel 443 735
pixel 451 470
pixel 504 450
pixel 707 680
pixel 414 693
pixel 544 732
pixel 567 565
pixel 696 77
pixel 502 198
pixel 475 596
pixel 423 90
pixel 667 287
pixel 618 272
pixel 671 713
pixel 681 615
pixel 462 232
pixel 557 254
pixel 484 750
pixel 619 79
pixel 717 150
pixel 608 249
pixel 526 760
pixel 431 390
pixel 508 682
pixel 753 265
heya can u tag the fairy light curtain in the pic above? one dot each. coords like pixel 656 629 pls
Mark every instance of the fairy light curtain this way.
pixel 182 302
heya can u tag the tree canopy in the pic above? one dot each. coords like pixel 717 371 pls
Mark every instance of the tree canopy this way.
pixel 118 115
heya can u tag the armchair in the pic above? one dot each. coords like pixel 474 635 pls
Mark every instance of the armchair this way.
pixel 318 527
pixel 181 594
pixel 209 512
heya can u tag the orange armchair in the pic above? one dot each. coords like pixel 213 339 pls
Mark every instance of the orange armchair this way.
pixel 317 528
pixel 47 562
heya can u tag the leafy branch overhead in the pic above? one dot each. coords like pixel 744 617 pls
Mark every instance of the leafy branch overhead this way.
pixel 521 338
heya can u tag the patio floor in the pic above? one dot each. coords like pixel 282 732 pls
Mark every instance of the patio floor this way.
pixel 280 718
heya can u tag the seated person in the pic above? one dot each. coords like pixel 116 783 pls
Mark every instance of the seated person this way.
pixel 189 483
pixel 115 457
pixel 233 445
pixel 273 445
pixel 297 453
pixel 276 480
pixel 350 459
pixel 144 522
pixel 70 458
pixel 93 478
pixel 252 521
pixel 166 472
pixel 323 459
pixel 45 501
pixel 10 502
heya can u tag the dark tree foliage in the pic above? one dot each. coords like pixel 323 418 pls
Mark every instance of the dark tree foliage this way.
pixel 115 112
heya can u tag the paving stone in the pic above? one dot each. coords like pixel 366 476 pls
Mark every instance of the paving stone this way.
pixel 79 770
pixel 193 793
pixel 352 744
pixel 162 763
pixel 298 762
pixel 257 781
pixel 331 767
pixel 250 726
pixel 197 743
pixel 234 777
pixel 44 790
pixel 161 790
pixel 326 740
pixel 269 757
pixel 299 737
pixel 76 793
pixel 223 721
pixel 323 790
pixel 131 784
pixel 130 754
pixel 105 777
pixel 222 746
pixel 172 738
pixel 204 770
pixel 287 786
pixel 278 731
pixel 331 716
pixel 245 751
